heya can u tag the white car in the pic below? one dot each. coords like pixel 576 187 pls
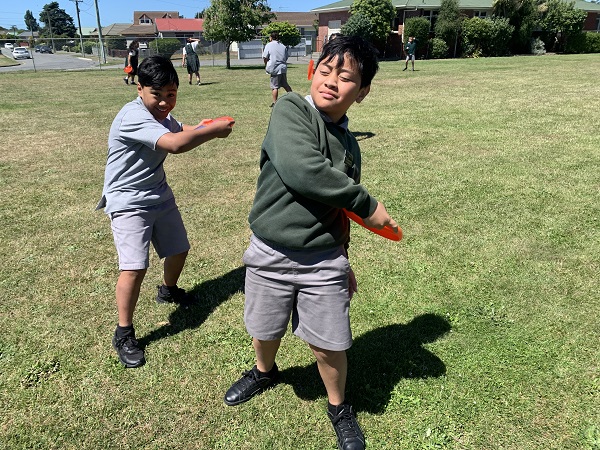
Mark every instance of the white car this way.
pixel 8 45
pixel 21 53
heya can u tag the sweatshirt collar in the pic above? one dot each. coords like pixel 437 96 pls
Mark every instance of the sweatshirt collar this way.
pixel 343 123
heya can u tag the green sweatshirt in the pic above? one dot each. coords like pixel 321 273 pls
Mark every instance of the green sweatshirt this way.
pixel 304 181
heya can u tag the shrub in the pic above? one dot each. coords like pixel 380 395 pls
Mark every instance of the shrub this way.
pixel 538 47
pixel 592 42
pixel 419 28
pixel 88 46
pixel 487 37
pixel 439 48
pixel 288 33
pixel 167 47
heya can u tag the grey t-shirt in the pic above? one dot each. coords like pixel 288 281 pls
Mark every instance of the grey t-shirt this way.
pixel 134 175
pixel 277 54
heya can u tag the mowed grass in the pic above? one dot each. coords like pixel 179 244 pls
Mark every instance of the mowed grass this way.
pixel 479 330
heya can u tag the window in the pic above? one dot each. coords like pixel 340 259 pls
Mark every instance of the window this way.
pixel 431 16
pixel 598 24
pixel 145 20
pixel 480 14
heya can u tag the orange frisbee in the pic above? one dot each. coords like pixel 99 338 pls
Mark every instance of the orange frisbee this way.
pixel 209 121
pixel 128 69
pixel 311 69
pixel 387 231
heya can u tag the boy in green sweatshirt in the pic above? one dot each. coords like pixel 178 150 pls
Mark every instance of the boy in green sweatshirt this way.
pixel 297 262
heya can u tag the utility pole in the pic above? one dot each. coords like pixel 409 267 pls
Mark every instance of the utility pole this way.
pixel 79 25
pixel 50 27
pixel 101 55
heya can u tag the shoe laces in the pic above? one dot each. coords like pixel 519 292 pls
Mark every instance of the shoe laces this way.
pixel 127 341
pixel 346 423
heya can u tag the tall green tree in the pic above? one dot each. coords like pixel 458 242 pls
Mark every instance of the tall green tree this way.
pixel 523 16
pixel 235 21
pixel 447 26
pixel 380 13
pixel 560 21
pixel 359 25
pixel 30 22
pixel 57 20
pixel 288 33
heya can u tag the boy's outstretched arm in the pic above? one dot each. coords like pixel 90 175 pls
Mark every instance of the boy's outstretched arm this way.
pixel 380 218
pixel 191 137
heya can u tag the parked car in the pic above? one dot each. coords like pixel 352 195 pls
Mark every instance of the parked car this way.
pixel 21 53
pixel 43 49
pixel 8 45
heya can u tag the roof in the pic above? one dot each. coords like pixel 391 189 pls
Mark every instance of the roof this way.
pixel 85 31
pixel 300 19
pixel 115 29
pixel 427 4
pixel 155 15
pixel 140 30
pixel 195 25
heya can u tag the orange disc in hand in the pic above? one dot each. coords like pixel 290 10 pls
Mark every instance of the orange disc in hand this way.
pixel 387 231
pixel 311 69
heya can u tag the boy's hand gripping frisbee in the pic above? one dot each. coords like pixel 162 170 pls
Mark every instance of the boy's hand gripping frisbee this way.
pixel 311 69
pixel 209 121
pixel 387 231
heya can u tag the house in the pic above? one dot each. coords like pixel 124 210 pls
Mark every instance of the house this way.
pixel 179 28
pixel 334 15
pixel 144 25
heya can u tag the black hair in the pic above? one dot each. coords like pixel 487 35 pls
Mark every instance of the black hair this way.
pixel 157 72
pixel 132 45
pixel 359 51
pixel 275 35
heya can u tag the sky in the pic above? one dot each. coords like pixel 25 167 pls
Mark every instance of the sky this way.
pixel 12 12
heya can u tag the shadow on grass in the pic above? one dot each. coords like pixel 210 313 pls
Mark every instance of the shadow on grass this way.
pixel 377 361
pixel 210 295
pixel 361 136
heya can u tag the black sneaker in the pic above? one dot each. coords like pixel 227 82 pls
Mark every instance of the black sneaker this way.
pixel 404 69
pixel 129 351
pixel 126 80
pixel 252 383
pixel 173 294
pixel 349 434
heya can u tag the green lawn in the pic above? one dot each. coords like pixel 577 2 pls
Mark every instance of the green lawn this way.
pixel 479 330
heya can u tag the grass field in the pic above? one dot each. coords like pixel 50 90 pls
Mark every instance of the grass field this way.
pixel 479 330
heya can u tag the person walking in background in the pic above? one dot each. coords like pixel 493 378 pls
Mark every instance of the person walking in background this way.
pixel 132 60
pixel 410 49
pixel 190 60
pixel 275 56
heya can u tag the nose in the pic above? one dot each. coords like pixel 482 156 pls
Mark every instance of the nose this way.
pixel 331 80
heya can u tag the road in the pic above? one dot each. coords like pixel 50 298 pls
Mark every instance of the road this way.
pixel 45 61
pixel 73 61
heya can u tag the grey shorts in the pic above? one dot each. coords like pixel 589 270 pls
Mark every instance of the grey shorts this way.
pixel 410 57
pixel 279 81
pixel 134 229
pixel 309 286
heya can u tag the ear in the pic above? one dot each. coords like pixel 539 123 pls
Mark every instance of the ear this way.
pixel 363 93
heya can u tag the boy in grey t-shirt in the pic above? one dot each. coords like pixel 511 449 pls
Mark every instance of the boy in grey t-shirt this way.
pixel 275 57
pixel 137 198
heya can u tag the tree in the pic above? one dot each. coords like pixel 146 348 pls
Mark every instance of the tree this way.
pixel 288 33
pixel 235 21
pixel 359 25
pixel 57 20
pixel 521 14
pixel 418 27
pixel 560 21
pixel 447 26
pixel 380 13
pixel 30 22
